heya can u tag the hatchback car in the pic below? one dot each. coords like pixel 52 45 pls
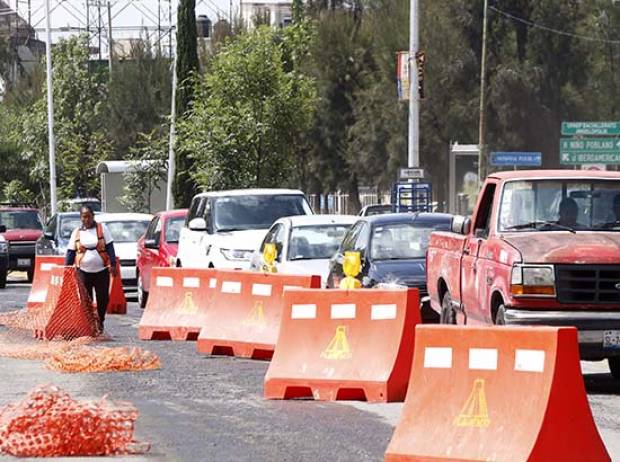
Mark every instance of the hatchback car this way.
pixel 126 230
pixel 158 247
pixel 304 243
pixel 392 248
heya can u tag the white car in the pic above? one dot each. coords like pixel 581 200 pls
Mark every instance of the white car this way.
pixel 305 244
pixel 223 228
pixel 126 229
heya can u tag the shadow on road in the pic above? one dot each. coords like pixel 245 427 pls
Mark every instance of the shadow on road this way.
pixel 601 384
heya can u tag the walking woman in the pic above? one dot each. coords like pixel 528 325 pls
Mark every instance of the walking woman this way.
pixel 91 250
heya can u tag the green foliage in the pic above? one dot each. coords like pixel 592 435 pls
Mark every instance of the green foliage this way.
pixel 148 173
pixel 248 114
pixel 16 192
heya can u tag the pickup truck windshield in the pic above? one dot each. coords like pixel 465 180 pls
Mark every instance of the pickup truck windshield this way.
pixel 21 219
pixel 235 213
pixel 560 205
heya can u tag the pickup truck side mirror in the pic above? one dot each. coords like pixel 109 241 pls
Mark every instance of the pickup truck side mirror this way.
pixel 461 225
pixel 198 224
pixel 2 229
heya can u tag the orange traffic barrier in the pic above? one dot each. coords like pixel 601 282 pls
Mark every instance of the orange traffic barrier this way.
pixel 244 317
pixel 40 282
pixel 178 300
pixel 67 312
pixel 496 393
pixel 117 303
pixel 349 345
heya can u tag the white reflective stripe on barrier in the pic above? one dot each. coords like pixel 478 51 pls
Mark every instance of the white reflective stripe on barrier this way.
pixel 303 311
pixel 231 287
pixel 291 287
pixel 164 281
pixel 38 297
pixel 261 289
pixel 438 357
pixel 343 311
pixel 530 360
pixel 191 282
pixel 47 266
pixel 379 312
pixel 483 359
pixel 212 283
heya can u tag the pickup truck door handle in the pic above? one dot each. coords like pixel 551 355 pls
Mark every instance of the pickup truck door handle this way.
pixel 466 251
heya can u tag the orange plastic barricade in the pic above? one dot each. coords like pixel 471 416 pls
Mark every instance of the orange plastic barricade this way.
pixel 496 393
pixel 67 311
pixel 244 318
pixel 340 344
pixel 40 282
pixel 177 303
pixel 117 303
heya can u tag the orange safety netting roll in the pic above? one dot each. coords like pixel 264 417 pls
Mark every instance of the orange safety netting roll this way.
pixel 92 359
pixel 48 422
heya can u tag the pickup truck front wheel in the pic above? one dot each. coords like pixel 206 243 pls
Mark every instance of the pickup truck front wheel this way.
pixel 448 316
pixel 500 315
pixel 614 366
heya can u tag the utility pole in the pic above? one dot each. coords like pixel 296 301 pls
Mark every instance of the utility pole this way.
pixel 413 155
pixel 110 42
pixel 50 109
pixel 482 155
pixel 172 138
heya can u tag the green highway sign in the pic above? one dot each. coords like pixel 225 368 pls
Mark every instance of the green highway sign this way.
pixel 590 128
pixel 589 151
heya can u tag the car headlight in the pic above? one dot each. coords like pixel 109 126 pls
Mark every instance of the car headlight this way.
pixel 4 247
pixel 237 254
pixel 533 280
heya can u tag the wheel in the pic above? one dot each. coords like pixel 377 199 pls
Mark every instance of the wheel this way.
pixel 3 275
pixel 143 295
pixel 500 316
pixel 614 366
pixel 30 274
pixel 448 316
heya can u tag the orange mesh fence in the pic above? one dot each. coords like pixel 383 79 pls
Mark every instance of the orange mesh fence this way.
pixel 48 422
pixel 92 359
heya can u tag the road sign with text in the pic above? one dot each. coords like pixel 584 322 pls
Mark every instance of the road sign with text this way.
pixel 590 128
pixel 517 159
pixel 589 151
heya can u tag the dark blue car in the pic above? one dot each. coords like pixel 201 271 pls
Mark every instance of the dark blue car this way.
pixel 393 250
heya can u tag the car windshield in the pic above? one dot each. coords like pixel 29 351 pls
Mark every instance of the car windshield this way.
pixel 236 213
pixel 67 225
pixel 401 241
pixel 21 219
pixel 127 231
pixel 315 242
pixel 173 229
pixel 560 205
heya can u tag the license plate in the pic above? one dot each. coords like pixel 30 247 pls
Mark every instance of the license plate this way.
pixel 611 339
pixel 23 262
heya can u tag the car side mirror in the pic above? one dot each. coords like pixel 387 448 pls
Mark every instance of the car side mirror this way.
pixel 46 235
pixel 461 225
pixel 198 224
pixel 151 244
pixel 2 229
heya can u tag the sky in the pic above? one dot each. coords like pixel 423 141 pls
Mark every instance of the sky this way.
pixel 129 17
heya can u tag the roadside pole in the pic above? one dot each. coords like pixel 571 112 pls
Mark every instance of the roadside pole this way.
pixel 50 109
pixel 482 157
pixel 413 155
pixel 172 139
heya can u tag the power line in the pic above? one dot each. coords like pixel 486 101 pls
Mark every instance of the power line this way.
pixel 552 30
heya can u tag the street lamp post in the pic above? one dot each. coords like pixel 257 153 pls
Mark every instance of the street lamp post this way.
pixel 50 108
pixel 413 155
pixel 482 157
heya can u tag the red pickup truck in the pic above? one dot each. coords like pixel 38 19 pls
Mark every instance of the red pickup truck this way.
pixel 541 248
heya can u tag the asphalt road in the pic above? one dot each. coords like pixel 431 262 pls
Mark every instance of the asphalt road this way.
pixel 200 408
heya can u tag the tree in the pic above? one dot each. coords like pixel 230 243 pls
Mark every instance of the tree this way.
pixel 82 141
pixel 187 65
pixel 16 192
pixel 248 114
pixel 149 169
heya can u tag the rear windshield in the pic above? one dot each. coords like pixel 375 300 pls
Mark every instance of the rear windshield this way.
pixel 127 231
pixel 21 219
pixel 236 213
pixel 315 242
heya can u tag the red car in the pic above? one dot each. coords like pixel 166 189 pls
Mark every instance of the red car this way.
pixel 158 247
pixel 23 228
